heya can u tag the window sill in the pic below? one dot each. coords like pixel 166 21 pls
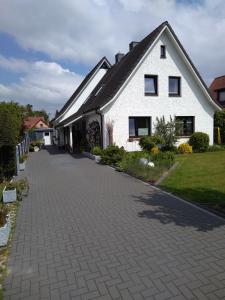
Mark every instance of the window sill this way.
pixel 183 136
pixel 133 139
pixel 174 95
pixel 150 94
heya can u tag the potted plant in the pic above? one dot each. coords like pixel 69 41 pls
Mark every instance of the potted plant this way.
pixel 97 151
pixel 22 162
pixel 5 226
pixel 9 193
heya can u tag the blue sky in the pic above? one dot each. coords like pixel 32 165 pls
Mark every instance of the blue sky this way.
pixel 44 55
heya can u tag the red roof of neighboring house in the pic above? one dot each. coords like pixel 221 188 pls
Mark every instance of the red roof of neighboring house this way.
pixel 30 122
pixel 217 84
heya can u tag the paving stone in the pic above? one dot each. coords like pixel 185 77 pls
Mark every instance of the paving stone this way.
pixel 88 232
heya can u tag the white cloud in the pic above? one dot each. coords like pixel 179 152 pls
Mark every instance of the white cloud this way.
pixel 46 85
pixel 85 31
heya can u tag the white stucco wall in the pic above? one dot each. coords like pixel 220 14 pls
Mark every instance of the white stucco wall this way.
pixel 133 102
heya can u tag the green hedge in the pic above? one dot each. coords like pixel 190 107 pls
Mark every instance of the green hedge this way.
pixel 199 141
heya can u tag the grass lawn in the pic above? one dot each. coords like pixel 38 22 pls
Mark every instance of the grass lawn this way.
pixel 199 178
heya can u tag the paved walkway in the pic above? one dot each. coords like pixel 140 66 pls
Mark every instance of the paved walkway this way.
pixel 88 232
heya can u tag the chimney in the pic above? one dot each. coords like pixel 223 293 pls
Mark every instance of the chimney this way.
pixel 132 45
pixel 118 57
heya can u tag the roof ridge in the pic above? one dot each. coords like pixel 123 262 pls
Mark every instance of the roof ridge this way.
pixel 219 77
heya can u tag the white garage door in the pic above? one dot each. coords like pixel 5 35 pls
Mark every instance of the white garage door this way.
pixel 47 138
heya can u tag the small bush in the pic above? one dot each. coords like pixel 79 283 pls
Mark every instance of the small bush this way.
pixel 199 141
pixel 22 188
pixel 155 150
pixel 96 150
pixel 184 148
pixel 167 131
pixel 3 215
pixel 38 143
pixel 146 143
pixel 112 155
pixel 149 142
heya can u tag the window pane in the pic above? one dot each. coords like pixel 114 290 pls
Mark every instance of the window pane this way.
pixel 143 126
pixel 189 126
pixel 173 85
pixel 179 127
pixel 184 126
pixel 221 96
pixel 139 126
pixel 131 127
pixel 150 85
pixel 163 51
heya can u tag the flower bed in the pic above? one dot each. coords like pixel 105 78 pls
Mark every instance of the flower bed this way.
pixel 146 166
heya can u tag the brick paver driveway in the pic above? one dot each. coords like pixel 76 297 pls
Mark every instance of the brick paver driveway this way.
pixel 88 232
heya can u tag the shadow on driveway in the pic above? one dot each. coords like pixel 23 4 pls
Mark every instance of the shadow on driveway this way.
pixel 167 209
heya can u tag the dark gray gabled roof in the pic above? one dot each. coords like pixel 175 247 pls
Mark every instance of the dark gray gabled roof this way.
pixel 116 76
pixel 113 80
pixel 102 63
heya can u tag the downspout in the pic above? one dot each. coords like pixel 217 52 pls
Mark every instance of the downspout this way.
pixel 101 132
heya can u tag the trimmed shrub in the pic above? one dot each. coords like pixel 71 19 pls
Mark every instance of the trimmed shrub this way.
pixel 112 155
pixel 199 141
pixel 185 148
pixel 96 150
pixel 149 142
pixel 146 143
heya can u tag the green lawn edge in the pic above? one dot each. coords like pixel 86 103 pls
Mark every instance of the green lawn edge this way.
pixel 199 178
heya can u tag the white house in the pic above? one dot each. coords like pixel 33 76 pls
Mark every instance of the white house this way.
pixel 155 78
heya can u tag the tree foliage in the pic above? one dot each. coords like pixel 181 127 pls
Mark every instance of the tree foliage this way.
pixel 11 116
pixel 166 130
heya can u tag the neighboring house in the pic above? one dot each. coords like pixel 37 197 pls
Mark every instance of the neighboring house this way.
pixel 155 78
pixel 38 129
pixel 217 89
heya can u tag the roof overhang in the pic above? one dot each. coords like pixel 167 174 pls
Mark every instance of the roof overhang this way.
pixel 104 60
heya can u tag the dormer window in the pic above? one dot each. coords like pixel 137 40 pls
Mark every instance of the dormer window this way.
pixel 162 51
